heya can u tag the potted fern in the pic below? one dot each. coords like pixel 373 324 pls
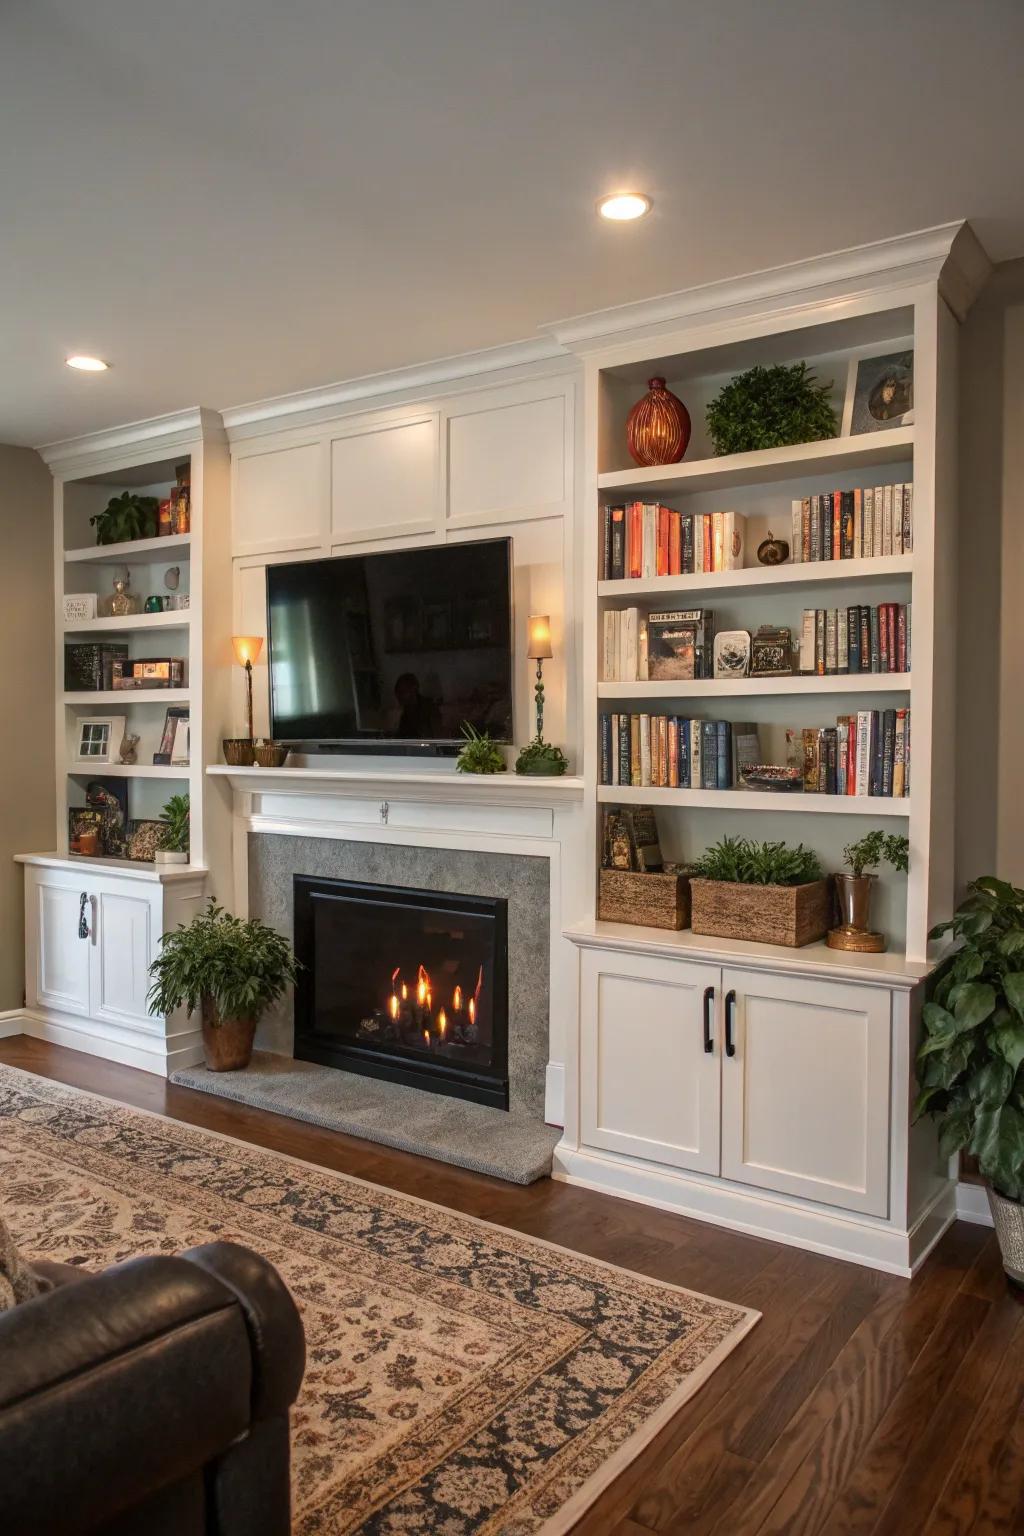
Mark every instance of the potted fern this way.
pixel 229 971
pixel 969 1061
pixel 768 892
pixel 172 845
pixel 481 754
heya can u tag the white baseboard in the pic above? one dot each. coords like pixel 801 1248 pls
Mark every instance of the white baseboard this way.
pixel 12 1022
pixel 157 1054
pixel 554 1093
pixel 840 1235
pixel 972 1204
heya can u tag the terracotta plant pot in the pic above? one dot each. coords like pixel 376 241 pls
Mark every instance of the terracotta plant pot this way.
pixel 853 901
pixel 227 1043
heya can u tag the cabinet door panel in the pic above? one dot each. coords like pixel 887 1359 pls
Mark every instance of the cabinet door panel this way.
pixel 125 937
pixel 805 1099
pixel 62 958
pixel 508 461
pixel 280 499
pixel 384 482
pixel 648 1086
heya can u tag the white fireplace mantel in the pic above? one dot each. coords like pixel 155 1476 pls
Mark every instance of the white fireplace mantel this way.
pixel 494 789
pixel 540 817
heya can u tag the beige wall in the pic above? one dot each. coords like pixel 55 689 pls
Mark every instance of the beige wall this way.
pixel 26 692
pixel 990 673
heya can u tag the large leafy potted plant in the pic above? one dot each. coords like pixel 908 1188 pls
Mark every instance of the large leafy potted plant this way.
pixel 125 518
pixel 226 969
pixel 767 892
pixel 971 1050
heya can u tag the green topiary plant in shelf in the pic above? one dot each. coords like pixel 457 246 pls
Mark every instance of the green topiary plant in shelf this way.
pixel 771 408
pixel 125 518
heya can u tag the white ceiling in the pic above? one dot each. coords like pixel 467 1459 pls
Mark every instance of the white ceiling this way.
pixel 235 198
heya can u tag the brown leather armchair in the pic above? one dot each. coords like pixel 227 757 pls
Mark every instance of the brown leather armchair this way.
pixel 152 1398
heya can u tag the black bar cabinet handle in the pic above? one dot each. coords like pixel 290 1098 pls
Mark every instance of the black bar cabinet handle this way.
pixel 730 1023
pixel 709 1004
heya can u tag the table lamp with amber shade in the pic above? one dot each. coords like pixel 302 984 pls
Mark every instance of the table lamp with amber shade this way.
pixel 240 751
pixel 539 757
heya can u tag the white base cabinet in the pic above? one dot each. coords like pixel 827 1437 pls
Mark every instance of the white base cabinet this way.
pixel 771 1100
pixel 91 933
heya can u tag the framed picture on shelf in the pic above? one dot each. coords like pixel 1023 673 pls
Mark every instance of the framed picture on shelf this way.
pixel 181 744
pixel 97 739
pixel 879 390
pixel 164 755
pixel 79 606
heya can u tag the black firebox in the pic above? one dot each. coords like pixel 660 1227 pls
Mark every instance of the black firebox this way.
pixel 404 984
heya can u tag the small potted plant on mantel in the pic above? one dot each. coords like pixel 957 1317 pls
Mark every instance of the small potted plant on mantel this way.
pixel 969 1061
pixel 767 892
pixel 229 971
pixel 173 843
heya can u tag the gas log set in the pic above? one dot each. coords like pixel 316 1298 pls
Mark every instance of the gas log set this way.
pixel 414 1016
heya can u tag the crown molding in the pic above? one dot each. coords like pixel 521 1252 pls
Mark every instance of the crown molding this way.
pixel 306 404
pixel 121 447
pixel 949 254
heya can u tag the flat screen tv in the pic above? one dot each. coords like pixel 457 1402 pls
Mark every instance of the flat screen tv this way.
pixel 398 649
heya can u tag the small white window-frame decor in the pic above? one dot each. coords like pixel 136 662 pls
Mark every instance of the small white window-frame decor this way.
pixel 97 740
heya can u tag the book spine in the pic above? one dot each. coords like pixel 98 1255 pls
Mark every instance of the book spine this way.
pixel 723 743
pixel 831 643
pixel 815 520
pixel 663 751
pixel 908 519
pixel 661 551
pixel 853 639
pixel 867 542
pixel 708 755
pixel 605 565
pixel 673 752
pixel 887 520
pixel 606 749
pixel 732 542
pixel 831 756
pixel 718 541
pixel 879 520
pixel 842 642
pixel 875 652
pixel 863 771
pixel 625 773
pixel 687 533
pixel 846 546
pixel 827 526
pixel 819 641
pixel 805 529
pixel 695 755
pixel 684 754
pixel 796 532
pixel 645 751
pixel 858 524
pixel 618 556
pixel 809 738
pixel 876 753
pixel 865 638
pixel 901 638
pixel 899 754
pixel 650 541
pixel 675 542
pixel 888 750
pixel 634 751
pixel 897 519
pixel 837 524
pixel 883 637
pixel 709 555
pixel 807 633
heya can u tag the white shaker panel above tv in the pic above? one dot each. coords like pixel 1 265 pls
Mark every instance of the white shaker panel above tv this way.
pixel 385 480
pixel 277 499
pixel 510 458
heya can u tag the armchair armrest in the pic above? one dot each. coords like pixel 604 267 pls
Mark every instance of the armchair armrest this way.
pixel 133 1379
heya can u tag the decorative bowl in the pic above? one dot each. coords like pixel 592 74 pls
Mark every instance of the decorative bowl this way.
pixel 239 752
pixel 773 776
pixel 270 754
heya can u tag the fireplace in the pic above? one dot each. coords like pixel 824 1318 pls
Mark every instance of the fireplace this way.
pixel 404 984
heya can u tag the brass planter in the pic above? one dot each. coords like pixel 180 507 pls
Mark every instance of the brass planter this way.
pixel 227 1043
pixel 853 901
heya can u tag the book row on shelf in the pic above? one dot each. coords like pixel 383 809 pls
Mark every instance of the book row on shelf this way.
pixel 681 645
pixel 641 540
pixel 854 525
pixel 867 753
pixel 857 639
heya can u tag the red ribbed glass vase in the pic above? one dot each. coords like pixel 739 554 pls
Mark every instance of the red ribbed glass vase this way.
pixel 658 427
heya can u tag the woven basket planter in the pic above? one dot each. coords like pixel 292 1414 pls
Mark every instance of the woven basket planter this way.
pixel 652 901
pixel 765 914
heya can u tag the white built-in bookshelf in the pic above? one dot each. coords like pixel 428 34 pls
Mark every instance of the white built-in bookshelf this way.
pixel 696 359
pixel 148 459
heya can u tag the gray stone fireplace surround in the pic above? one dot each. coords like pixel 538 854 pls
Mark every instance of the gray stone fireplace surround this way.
pixel 514 1144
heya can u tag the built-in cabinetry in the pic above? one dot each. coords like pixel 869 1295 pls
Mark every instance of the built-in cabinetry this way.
pixel 91 933
pixel 90 991
pixel 760 1087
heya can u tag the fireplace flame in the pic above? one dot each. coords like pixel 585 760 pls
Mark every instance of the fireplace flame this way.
pixel 422 986
pixel 479 984
pixel 457 999
pixel 393 1006
pixel 472 1010
pixel 426 1038
pixel 442 1022
pixel 405 993
pixel 395 975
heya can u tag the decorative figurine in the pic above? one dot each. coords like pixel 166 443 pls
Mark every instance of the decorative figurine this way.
pixel 129 753
pixel 773 551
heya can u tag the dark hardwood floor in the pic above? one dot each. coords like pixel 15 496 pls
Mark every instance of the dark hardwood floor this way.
pixel 860 1403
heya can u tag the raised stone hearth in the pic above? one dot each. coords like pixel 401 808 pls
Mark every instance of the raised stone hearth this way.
pixel 514 1144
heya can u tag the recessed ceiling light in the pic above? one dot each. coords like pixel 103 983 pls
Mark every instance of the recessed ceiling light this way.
pixel 87 364
pixel 624 205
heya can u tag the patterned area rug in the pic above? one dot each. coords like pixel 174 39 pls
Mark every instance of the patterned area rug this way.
pixel 461 1378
